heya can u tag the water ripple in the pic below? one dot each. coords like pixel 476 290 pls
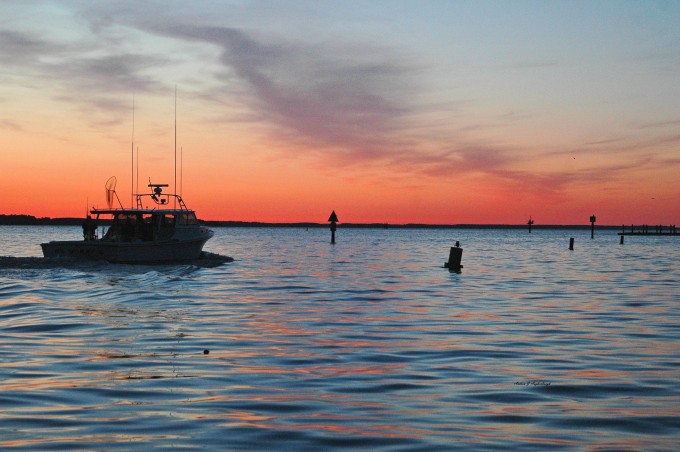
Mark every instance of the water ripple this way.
pixel 368 344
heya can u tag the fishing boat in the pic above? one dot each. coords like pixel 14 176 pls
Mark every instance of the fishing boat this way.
pixel 159 228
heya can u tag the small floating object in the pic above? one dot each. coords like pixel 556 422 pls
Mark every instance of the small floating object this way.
pixel 206 352
pixel 455 256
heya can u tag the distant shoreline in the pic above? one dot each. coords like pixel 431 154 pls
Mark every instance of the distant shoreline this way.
pixel 29 220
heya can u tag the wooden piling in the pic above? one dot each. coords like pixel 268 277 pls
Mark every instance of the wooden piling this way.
pixel 571 244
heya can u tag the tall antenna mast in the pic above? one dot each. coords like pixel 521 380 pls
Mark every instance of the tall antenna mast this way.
pixel 174 198
pixel 132 147
pixel 181 169
pixel 137 165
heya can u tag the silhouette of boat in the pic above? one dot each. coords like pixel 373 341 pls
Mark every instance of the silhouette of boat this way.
pixel 166 232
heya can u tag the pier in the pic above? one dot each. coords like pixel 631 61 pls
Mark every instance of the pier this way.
pixel 645 229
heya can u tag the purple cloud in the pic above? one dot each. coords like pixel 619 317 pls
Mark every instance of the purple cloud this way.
pixel 350 99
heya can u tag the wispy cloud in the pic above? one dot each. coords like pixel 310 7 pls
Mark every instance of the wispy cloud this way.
pixel 83 73
pixel 658 124
pixel 22 49
pixel 8 124
pixel 337 98
pixel 531 64
pixel 354 105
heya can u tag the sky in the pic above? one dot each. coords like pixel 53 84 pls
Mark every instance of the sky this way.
pixel 386 111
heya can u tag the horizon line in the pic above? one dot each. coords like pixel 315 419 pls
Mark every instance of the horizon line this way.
pixel 29 220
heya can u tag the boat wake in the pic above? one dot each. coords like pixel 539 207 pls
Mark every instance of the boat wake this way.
pixel 210 260
pixel 207 260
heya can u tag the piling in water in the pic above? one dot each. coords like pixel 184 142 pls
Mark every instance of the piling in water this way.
pixel 333 219
pixel 455 257
pixel 592 226
pixel 571 244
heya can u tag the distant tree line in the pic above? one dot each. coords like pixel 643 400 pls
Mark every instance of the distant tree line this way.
pixel 30 220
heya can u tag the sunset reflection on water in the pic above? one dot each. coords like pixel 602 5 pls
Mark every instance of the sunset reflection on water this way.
pixel 312 347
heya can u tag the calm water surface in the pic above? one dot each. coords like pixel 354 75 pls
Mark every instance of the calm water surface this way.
pixel 369 344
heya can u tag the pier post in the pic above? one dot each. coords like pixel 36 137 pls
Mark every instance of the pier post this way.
pixel 621 240
pixel 592 226
pixel 571 244
pixel 333 220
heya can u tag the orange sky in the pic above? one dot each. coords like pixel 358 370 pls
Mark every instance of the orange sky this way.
pixel 383 112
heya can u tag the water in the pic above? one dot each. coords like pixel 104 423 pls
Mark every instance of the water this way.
pixel 369 344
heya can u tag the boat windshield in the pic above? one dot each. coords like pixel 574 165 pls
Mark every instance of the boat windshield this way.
pixel 186 218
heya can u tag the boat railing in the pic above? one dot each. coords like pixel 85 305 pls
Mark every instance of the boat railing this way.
pixel 162 200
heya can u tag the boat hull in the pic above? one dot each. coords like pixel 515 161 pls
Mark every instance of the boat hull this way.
pixel 127 252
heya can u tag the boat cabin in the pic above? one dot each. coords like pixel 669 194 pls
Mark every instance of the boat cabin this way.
pixel 146 225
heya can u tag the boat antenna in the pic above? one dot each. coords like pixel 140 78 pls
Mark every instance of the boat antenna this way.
pixel 175 199
pixel 132 149
pixel 137 165
pixel 181 169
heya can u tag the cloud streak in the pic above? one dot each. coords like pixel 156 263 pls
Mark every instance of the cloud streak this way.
pixel 64 70
pixel 353 105
pixel 350 100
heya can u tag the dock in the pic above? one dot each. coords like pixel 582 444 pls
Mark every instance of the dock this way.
pixel 645 229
